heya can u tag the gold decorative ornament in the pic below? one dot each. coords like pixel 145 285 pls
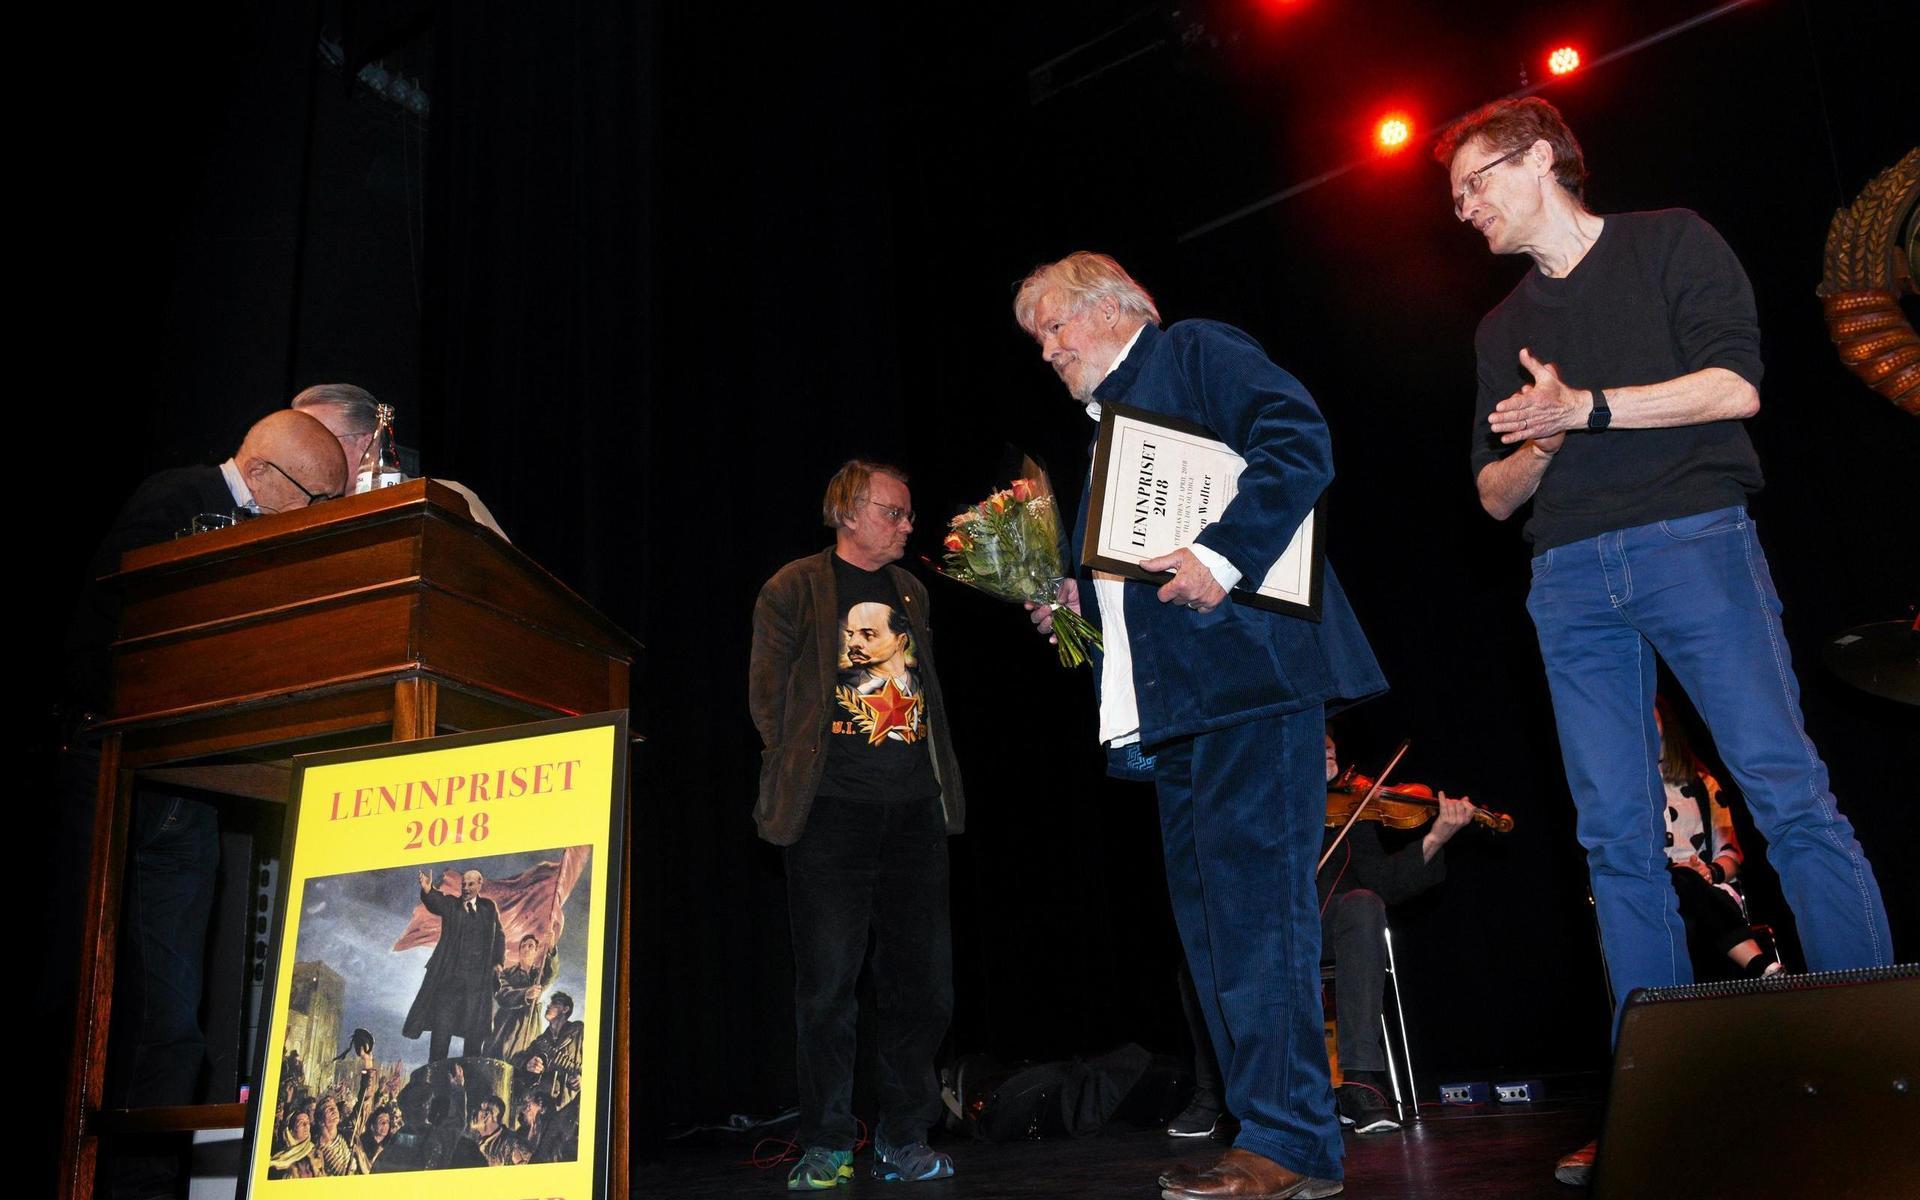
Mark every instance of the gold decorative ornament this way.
pixel 1872 259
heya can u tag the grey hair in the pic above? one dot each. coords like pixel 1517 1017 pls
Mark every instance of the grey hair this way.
pixel 848 488
pixel 1084 278
pixel 355 404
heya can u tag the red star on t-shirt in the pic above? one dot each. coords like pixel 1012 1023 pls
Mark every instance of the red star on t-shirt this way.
pixel 890 709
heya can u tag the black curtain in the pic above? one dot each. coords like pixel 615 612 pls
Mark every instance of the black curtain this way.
pixel 538 327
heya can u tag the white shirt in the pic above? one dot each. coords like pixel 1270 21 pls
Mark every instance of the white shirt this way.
pixel 1119 703
pixel 242 494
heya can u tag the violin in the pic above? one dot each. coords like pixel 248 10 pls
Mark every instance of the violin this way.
pixel 1403 806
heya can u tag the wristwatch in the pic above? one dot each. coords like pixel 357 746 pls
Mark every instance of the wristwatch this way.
pixel 1601 416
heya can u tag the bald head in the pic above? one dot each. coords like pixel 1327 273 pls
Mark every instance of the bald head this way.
pixel 286 456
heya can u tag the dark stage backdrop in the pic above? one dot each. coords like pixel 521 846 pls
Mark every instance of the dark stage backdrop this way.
pixel 649 273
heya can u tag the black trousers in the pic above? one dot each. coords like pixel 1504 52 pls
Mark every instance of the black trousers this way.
pixel 870 869
pixel 1715 924
pixel 440 1039
pixel 1353 936
pixel 160 1046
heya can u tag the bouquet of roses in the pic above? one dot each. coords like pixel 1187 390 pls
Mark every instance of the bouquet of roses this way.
pixel 1009 545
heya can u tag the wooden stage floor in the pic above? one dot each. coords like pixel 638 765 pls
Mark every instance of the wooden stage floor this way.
pixel 1489 1152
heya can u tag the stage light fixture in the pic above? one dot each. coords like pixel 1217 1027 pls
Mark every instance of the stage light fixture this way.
pixel 1393 132
pixel 1564 61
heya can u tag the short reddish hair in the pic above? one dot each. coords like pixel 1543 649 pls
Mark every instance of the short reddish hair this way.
pixel 1509 125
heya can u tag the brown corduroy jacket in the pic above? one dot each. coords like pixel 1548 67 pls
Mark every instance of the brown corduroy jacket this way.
pixel 790 682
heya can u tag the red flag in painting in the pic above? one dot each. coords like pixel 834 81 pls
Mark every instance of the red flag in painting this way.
pixel 534 901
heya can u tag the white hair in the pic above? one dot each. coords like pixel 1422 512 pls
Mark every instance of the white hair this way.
pixel 356 406
pixel 1083 278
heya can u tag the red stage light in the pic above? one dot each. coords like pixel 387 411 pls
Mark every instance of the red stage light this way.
pixel 1393 132
pixel 1563 61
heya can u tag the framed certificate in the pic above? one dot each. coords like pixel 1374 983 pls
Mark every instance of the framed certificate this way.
pixel 1158 481
pixel 444 990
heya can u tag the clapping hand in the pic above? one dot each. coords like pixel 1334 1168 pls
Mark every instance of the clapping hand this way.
pixel 1542 411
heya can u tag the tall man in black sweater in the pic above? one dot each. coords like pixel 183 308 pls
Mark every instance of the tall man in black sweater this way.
pixel 1612 383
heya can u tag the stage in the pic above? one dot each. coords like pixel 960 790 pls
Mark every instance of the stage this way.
pixel 1488 1151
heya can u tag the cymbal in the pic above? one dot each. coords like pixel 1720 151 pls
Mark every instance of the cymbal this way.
pixel 1881 657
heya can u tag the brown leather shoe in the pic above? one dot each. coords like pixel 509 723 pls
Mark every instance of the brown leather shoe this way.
pixel 1181 1174
pixel 1239 1175
pixel 1577 1168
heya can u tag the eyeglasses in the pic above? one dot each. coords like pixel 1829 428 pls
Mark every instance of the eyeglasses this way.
pixel 895 515
pixel 1476 181
pixel 312 497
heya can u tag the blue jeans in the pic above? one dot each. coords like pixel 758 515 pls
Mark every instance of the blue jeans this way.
pixel 1241 811
pixel 1696 591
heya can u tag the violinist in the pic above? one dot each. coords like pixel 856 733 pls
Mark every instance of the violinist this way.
pixel 1356 886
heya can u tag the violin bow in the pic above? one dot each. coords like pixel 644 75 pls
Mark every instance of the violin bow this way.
pixel 1379 782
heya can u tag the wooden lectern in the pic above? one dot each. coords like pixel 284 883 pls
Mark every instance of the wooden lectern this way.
pixel 382 617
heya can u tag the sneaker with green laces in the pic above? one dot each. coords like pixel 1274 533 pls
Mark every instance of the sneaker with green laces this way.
pixel 819 1169
pixel 911 1163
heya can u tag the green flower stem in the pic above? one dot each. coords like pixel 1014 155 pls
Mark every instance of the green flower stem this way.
pixel 1073 633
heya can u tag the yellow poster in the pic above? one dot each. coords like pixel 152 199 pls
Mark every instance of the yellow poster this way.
pixel 442 1008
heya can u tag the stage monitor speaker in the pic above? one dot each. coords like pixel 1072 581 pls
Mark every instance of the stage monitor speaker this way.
pixel 1793 1085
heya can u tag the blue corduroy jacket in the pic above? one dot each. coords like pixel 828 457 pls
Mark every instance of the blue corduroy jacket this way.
pixel 1196 672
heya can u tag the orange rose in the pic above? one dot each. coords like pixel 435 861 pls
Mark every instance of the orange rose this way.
pixel 957 543
pixel 1025 489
